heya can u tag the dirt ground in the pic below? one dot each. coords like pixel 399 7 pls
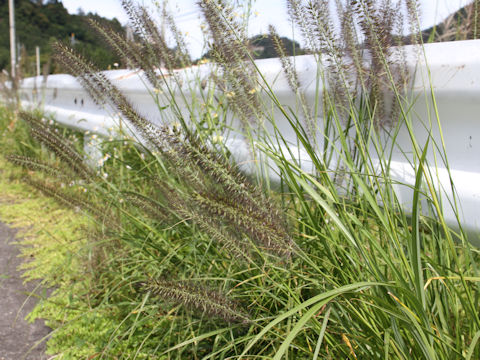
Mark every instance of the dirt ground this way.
pixel 17 337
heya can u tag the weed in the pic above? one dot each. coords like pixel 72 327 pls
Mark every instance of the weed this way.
pixel 230 268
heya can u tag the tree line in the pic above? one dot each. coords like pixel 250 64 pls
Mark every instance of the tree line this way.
pixel 40 23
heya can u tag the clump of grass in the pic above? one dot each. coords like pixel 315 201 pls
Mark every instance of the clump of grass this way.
pixel 322 269
pixel 213 193
pixel 68 175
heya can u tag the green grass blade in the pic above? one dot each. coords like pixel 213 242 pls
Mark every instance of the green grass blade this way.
pixel 416 240
pixel 472 346
pixel 298 327
pixel 331 212
pixel 196 339
pixel 327 295
pixel 322 334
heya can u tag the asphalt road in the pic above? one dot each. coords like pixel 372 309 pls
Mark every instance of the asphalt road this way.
pixel 17 337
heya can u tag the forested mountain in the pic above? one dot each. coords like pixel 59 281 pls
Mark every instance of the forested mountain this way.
pixel 263 47
pixel 39 23
pixel 464 24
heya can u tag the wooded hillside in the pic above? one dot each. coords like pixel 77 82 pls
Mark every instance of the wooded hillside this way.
pixel 41 22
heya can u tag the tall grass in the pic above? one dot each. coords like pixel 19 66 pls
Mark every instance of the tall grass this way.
pixel 197 260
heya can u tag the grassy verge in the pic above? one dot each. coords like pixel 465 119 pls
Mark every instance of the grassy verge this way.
pixel 61 248
pixel 53 242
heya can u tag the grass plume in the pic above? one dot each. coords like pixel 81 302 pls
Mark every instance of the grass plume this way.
pixel 59 145
pixel 230 50
pixel 198 298
pixel 71 200
pixel 33 164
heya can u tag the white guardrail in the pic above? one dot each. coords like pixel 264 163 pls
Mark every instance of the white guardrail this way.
pixel 455 78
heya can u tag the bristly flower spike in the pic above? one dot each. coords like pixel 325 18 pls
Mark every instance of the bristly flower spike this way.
pixel 197 298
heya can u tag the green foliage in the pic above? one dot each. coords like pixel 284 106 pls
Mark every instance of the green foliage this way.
pixel 40 24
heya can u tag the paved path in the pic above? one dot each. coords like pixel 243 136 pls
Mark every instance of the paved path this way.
pixel 17 336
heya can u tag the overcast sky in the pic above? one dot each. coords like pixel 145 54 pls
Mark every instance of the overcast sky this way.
pixel 265 12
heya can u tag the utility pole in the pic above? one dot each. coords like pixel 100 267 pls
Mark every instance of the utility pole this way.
pixel 37 54
pixel 13 57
